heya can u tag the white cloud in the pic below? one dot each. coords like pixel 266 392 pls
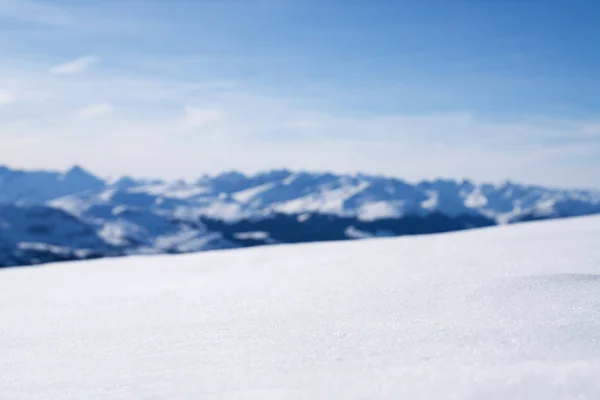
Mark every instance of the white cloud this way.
pixel 75 66
pixel 6 98
pixel 160 149
pixel 199 116
pixel 250 130
pixel 407 146
pixel 94 111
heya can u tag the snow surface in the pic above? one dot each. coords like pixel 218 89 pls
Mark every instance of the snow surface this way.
pixel 510 312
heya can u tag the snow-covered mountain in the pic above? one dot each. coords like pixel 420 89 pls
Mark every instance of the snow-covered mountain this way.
pixel 232 209
pixel 508 312
pixel 38 234
pixel 37 187
pixel 233 196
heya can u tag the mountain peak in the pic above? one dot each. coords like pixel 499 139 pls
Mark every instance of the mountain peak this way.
pixel 77 170
pixel 231 175
pixel 78 176
pixel 124 182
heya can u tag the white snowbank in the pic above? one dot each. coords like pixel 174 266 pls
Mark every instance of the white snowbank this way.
pixel 502 313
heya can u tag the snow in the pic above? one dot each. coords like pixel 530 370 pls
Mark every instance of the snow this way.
pixel 189 241
pixel 502 313
pixel 119 233
pixel 380 209
pixel 245 196
pixel 44 247
pixel 323 200
pixel 475 199
pixel 545 207
pixel 257 235
pixel 290 179
pixel 175 191
pixel 303 217
pixel 355 233
pixel 432 200
pixel 226 211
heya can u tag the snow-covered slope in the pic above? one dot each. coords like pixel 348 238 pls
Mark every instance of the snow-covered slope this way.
pixel 502 313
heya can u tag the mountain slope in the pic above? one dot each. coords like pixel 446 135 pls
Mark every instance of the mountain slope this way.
pixel 37 187
pixel 234 196
pixel 131 216
pixel 504 312
pixel 140 222
pixel 40 234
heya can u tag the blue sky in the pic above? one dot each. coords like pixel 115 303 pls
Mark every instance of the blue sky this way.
pixel 489 90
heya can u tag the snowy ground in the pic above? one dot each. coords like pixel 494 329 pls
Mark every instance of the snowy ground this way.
pixel 501 313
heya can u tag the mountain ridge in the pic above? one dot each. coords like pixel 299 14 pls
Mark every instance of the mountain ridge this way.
pixel 111 180
pixel 233 209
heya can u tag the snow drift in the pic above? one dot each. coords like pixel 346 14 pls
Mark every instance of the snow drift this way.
pixel 500 313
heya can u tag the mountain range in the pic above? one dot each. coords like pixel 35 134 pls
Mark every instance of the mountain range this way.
pixel 51 216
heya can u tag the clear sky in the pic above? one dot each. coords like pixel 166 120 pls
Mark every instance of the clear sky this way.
pixel 489 90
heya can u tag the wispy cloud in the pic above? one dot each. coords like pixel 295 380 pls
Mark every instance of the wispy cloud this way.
pixel 93 111
pixel 74 66
pixel 6 98
pixel 201 116
pixel 252 128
